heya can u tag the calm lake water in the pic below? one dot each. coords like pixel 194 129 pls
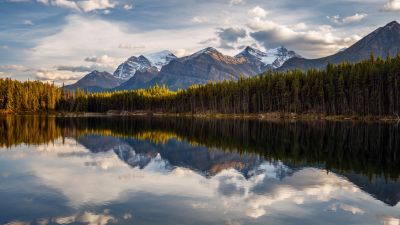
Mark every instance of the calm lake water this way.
pixel 106 170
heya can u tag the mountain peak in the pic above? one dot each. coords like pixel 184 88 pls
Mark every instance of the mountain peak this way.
pixel 274 57
pixel 160 59
pixel 208 50
pixel 393 23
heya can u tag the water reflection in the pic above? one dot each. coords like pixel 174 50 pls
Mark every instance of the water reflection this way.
pixel 160 171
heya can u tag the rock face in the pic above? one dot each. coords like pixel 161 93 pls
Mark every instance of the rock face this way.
pixel 382 42
pixel 139 80
pixel 96 81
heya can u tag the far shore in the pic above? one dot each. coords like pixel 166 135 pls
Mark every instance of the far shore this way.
pixel 275 116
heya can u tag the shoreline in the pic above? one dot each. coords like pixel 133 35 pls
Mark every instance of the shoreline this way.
pixel 274 116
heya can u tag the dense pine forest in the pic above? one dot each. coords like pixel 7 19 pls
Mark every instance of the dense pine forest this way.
pixel 371 87
pixel 29 96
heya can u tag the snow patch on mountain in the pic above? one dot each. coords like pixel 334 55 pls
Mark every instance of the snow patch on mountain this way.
pixel 127 70
pixel 274 57
pixel 160 59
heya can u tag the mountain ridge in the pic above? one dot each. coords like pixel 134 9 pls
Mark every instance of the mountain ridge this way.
pixel 381 42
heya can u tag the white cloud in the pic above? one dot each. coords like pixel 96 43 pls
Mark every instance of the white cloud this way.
pixel 317 42
pixel 388 220
pixel 18 222
pixel 128 6
pixel 14 67
pixel 179 52
pixel 258 12
pixel 392 5
pixel 127 216
pixel 57 76
pixel 103 60
pixel 345 207
pixel 28 22
pixel 88 218
pixel 81 5
pixel 199 19
pixel 90 5
pixel 350 19
pixel 299 26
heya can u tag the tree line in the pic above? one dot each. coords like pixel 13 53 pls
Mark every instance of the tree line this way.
pixel 371 87
pixel 28 96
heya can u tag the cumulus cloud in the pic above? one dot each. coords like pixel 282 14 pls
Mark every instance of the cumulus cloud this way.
pixel 199 19
pixel 392 5
pixel 56 76
pixel 317 42
pixel 230 36
pixel 258 12
pixel 350 19
pixel 81 5
pixel 104 60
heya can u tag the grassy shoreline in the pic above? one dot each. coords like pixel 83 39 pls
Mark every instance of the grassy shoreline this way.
pixel 273 116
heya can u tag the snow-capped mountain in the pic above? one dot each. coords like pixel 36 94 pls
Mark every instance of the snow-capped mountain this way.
pixel 143 63
pixel 128 68
pixel 273 58
pixel 160 59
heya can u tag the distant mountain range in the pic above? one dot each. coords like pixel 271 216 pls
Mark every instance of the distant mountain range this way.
pixel 211 65
pixel 382 42
pixel 201 67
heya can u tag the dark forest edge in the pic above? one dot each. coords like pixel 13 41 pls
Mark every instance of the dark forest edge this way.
pixel 367 90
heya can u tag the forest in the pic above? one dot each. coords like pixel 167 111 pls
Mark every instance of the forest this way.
pixel 371 87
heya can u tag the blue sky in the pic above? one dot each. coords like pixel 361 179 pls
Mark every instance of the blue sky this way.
pixel 62 40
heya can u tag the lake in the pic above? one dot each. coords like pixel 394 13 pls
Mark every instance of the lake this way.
pixel 122 170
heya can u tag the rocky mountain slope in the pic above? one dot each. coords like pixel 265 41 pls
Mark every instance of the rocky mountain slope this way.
pixel 96 81
pixel 382 42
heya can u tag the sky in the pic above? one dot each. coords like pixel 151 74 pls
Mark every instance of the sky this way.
pixel 62 40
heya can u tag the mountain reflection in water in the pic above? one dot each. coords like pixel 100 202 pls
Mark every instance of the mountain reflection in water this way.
pixel 195 171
